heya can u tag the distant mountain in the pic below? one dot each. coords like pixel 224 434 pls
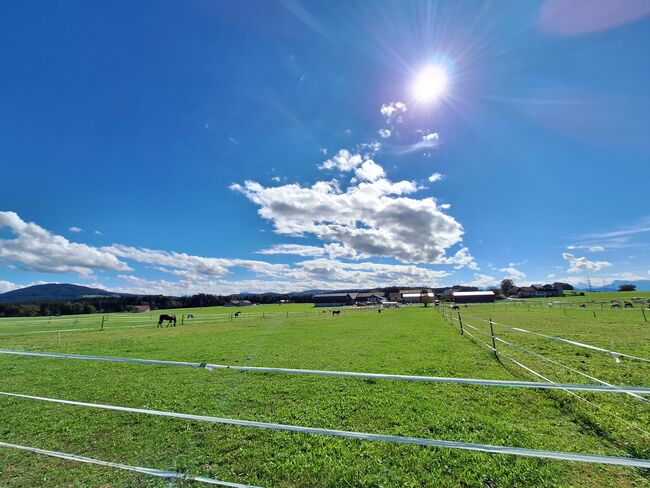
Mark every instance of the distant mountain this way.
pixel 53 292
pixel 641 285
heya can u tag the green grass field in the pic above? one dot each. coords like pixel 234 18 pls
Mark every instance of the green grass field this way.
pixel 412 340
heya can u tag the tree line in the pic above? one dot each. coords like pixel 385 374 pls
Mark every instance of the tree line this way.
pixel 111 304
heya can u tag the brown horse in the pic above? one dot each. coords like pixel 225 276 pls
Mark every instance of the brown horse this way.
pixel 170 318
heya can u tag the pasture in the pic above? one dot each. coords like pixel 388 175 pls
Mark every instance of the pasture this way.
pixel 408 341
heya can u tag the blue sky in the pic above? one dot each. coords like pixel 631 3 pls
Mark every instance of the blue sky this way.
pixel 177 147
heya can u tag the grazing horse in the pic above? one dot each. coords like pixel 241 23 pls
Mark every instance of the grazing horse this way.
pixel 628 305
pixel 237 314
pixel 189 315
pixel 171 320
pixel 615 305
pixel 455 307
pixel 582 305
pixel 336 312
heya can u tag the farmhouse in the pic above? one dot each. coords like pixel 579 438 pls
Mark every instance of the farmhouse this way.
pixel 414 295
pixel 539 291
pixel 473 296
pixel 334 299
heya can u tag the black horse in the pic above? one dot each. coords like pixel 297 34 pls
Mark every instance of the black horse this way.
pixel 170 318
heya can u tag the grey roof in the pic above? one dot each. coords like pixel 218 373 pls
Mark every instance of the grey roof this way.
pixel 370 294
pixel 336 295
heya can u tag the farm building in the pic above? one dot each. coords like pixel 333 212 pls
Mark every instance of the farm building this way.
pixel 334 299
pixel 473 296
pixel 141 308
pixel 238 303
pixel 413 296
pixel 370 298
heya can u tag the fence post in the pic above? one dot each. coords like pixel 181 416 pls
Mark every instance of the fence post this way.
pixel 594 313
pixel 564 310
pixel 494 344
pixel 182 319
pixel 643 312
pixel 460 321
pixel 231 317
pixel 102 327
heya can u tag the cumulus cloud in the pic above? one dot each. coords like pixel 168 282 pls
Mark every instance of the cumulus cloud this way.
pixel 6 286
pixel 182 264
pixel 344 160
pixel 435 177
pixel 295 249
pixel 385 133
pixel 483 281
pixel 369 171
pixel 445 206
pixel 431 138
pixel 373 218
pixel 577 265
pixel 393 110
pixel 37 249
pixel 512 272
pixel 74 229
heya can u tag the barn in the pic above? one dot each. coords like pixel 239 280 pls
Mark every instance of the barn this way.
pixel 334 299
pixel 473 296
pixel 414 296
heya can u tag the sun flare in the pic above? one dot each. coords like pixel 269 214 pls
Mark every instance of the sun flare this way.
pixel 430 84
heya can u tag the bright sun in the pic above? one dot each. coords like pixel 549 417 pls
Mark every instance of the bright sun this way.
pixel 430 84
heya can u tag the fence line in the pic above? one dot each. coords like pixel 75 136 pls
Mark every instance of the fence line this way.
pixel 382 376
pixel 467 446
pixel 614 354
pixel 535 373
pixel 160 473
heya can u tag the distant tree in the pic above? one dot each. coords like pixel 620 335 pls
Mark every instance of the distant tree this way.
pixel 506 287
pixel 497 292
pixel 425 298
pixel 628 287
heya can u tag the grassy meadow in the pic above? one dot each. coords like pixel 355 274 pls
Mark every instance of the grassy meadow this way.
pixel 412 340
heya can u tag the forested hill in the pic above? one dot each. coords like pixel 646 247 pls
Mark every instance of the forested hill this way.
pixel 53 292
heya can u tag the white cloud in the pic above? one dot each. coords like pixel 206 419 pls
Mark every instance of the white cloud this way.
pixel 76 230
pixel 295 249
pixel 97 232
pixel 276 179
pixel 344 160
pixel 590 248
pixel 483 281
pixel 432 137
pixel 372 218
pixel 370 171
pixel 445 206
pixel 37 249
pixel 435 177
pixel 577 265
pixel 6 286
pixel 188 265
pixel 385 133
pixel 512 272
pixel 393 110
